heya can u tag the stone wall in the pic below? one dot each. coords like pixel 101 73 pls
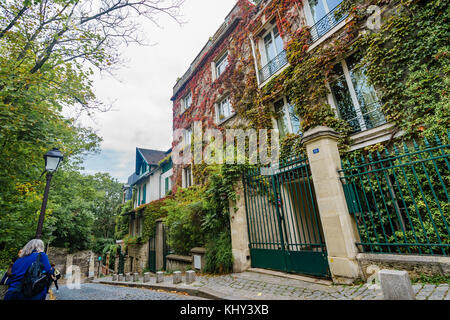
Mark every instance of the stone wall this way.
pixel 85 260
pixel 415 265
pixel 137 258
pixel 178 263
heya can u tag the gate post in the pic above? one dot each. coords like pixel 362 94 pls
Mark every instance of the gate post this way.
pixel 239 231
pixel 324 160
pixel 159 245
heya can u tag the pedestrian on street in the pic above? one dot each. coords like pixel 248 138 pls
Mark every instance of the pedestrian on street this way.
pixel 28 276
pixel 55 277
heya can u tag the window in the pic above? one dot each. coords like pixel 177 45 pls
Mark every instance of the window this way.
pixel 287 120
pixel 274 53
pixel 224 110
pixel 354 98
pixel 144 195
pixel 321 16
pixel 187 136
pixel 221 65
pixel 166 185
pixel 273 43
pixel 187 102
pixel 187 177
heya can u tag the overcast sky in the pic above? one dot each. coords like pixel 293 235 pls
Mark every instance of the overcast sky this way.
pixel 141 91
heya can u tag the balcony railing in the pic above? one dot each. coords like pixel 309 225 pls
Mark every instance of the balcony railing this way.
pixel 273 66
pixel 370 118
pixel 328 22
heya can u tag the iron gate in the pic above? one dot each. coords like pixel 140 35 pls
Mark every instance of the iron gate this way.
pixel 284 228
pixel 152 249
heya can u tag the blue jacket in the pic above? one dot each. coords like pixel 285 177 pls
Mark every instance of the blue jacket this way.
pixel 21 266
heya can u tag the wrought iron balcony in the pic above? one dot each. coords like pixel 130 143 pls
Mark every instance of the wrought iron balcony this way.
pixel 273 66
pixel 369 118
pixel 328 22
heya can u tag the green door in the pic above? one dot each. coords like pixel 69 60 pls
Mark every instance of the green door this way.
pixel 283 223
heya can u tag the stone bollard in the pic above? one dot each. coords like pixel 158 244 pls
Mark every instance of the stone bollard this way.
pixel 396 285
pixel 146 277
pixel 114 277
pixel 135 277
pixel 177 277
pixel 159 277
pixel 190 276
pixel 120 277
pixel 127 277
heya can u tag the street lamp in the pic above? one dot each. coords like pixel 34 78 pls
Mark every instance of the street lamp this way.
pixel 52 160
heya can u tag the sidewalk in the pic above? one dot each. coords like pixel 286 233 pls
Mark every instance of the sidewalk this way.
pixel 256 286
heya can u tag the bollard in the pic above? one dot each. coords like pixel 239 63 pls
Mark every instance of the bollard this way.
pixel 114 277
pixel 190 276
pixel 146 277
pixel 127 277
pixel 135 277
pixel 396 285
pixel 120 277
pixel 177 277
pixel 159 277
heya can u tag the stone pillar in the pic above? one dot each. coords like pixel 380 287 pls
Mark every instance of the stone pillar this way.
pixel 127 277
pixel 190 276
pixel 91 272
pixel 159 244
pixel 120 277
pixel 324 160
pixel 116 264
pixel 135 277
pixel 146 277
pixel 239 232
pixel 159 276
pixel 69 263
pixel 177 277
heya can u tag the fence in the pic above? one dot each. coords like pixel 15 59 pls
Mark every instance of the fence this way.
pixel 399 199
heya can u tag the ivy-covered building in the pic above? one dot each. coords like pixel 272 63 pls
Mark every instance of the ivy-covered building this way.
pixel 373 71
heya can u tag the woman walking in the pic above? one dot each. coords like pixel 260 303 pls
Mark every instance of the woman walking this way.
pixel 32 251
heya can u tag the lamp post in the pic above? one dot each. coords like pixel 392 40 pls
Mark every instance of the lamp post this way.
pixel 52 160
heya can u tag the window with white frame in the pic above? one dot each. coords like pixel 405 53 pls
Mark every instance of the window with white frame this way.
pixel 274 53
pixel 186 102
pixel 320 15
pixel 224 109
pixel 187 136
pixel 287 120
pixel 221 65
pixel 187 172
pixel 354 98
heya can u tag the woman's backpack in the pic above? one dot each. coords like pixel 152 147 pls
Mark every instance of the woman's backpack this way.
pixel 34 280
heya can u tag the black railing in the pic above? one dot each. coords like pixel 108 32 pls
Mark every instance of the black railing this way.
pixel 371 117
pixel 273 66
pixel 328 22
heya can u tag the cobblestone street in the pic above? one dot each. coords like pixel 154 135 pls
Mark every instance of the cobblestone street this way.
pixel 256 286
pixel 95 291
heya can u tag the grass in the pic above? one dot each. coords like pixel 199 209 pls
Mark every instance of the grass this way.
pixel 434 279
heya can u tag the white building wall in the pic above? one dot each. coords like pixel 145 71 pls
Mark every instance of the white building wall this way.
pixel 153 186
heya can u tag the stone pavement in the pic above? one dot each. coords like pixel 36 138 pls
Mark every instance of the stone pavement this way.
pixel 256 286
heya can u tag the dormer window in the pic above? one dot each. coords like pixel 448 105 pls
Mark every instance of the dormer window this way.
pixel 186 102
pixel 221 65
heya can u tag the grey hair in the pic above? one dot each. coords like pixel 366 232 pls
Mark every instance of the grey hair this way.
pixel 35 244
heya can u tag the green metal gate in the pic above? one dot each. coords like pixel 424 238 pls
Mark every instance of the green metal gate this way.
pixel 284 228
pixel 152 253
pixel 152 249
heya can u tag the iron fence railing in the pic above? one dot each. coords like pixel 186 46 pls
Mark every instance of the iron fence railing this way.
pixel 328 22
pixel 273 66
pixel 399 199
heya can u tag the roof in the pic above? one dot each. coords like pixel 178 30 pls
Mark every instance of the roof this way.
pixel 152 157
